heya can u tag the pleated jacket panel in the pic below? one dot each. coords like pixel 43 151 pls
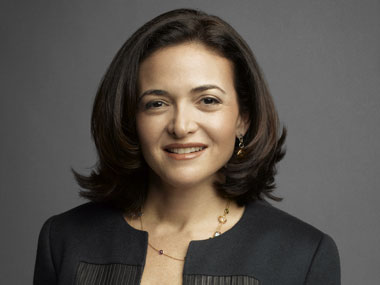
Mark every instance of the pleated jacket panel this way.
pixel 219 280
pixel 108 274
pixel 118 274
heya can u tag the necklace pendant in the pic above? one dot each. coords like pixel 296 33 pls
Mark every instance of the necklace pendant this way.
pixel 161 252
pixel 217 233
pixel 222 219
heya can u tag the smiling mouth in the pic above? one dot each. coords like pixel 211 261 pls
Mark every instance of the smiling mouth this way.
pixel 185 150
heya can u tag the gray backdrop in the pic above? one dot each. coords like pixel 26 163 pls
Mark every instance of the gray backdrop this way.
pixel 322 62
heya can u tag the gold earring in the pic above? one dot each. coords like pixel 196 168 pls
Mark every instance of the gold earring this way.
pixel 240 152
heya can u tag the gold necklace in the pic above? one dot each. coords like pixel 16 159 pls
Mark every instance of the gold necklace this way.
pixel 221 221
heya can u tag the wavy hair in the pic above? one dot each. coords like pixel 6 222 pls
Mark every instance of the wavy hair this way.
pixel 120 174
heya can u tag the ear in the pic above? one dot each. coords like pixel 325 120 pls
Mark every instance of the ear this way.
pixel 242 124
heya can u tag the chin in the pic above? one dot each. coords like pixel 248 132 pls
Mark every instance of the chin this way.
pixel 182 180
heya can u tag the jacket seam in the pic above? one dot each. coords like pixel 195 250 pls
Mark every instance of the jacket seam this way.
pixel 50 248
pixel 313 258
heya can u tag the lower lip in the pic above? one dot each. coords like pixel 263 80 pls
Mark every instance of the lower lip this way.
pixel 185 156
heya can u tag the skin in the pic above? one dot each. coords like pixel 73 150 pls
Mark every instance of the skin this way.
pixel 187 95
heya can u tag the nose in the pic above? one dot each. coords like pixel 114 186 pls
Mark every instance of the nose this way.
pixel 183 122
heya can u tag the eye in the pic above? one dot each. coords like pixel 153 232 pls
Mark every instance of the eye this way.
pixel 154 105
pixel 210 101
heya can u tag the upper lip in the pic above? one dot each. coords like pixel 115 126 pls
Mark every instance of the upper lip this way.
pixel 184 145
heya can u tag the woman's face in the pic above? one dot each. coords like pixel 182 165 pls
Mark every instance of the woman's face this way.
pixel 188 115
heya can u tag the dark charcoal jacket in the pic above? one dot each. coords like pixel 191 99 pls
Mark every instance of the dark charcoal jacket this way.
pixel 92 244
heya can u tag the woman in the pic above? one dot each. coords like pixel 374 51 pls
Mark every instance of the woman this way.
pixel 188 140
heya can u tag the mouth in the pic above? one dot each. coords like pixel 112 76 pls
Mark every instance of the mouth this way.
pixel 185 150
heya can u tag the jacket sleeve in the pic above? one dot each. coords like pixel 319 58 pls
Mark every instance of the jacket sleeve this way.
pixel 44 271
pixel 325 266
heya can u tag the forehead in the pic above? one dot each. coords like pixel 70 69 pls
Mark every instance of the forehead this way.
pixel 189 63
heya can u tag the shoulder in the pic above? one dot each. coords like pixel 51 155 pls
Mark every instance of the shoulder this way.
pixel 87 212
pixel 283 237
pixel 284 227
pixel 82 221
pixel 84 213
pixel 91 232
pixel 280 223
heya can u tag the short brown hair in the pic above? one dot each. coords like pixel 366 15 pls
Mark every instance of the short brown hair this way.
pixel 120 176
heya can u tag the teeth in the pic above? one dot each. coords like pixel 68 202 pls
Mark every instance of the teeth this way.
pixel 185 150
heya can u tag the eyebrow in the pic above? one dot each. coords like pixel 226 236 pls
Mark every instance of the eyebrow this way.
pixel 198 89
pixel 203 88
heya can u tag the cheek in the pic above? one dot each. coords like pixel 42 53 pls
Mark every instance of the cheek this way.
pixel 222 128
pixel 149 131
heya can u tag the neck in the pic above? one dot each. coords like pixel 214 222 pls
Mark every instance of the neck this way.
pixel 181 209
